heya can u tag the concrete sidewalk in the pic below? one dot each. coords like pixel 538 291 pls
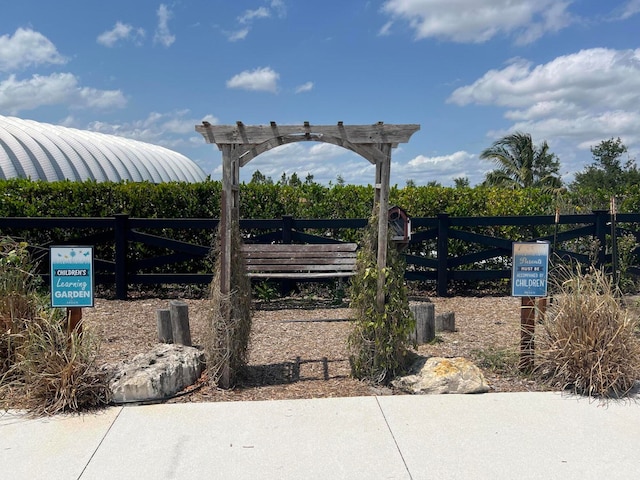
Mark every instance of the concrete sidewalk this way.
pixel 492 436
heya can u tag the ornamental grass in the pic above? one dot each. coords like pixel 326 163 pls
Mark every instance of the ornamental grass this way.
pixel 43 368
pixel 589 341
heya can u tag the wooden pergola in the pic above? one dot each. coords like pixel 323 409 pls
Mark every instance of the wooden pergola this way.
pixel 242 143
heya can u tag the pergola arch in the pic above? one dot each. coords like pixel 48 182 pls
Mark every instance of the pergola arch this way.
pixel 242 143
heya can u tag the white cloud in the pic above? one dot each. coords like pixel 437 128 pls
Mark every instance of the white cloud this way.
pixel 631 8
pixel 574 101
pixel 443 168
pixel 261 79
pixel 120 31
pixel 163 34
pixel 279 7
pixel 322 160
pixel 238 35
pixel 305 87
pixel 386 29
pixel 477 21
pixel 56 89
pixel 27 48
pixel 172 129
pixel 249 15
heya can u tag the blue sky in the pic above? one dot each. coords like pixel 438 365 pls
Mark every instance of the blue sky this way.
pixel 468 71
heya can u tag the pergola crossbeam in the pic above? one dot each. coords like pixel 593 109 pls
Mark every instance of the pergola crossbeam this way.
pixel 355 134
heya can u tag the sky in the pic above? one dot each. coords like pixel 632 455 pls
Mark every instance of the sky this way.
pixel 467 71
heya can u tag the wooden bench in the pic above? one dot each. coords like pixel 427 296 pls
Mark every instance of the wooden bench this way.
pixel 290 261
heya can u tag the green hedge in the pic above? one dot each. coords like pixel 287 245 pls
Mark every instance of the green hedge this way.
pixel 25 198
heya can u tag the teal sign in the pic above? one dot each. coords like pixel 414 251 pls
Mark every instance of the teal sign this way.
pixel 529 273
pixel 71 276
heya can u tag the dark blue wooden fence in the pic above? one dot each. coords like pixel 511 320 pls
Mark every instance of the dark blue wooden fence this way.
pixel 443 249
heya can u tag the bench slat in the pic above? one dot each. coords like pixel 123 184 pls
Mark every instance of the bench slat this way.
pixel 295 275
pixel 295 261
pixel 300 261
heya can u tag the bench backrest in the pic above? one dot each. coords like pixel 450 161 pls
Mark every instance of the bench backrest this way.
pixel 300 261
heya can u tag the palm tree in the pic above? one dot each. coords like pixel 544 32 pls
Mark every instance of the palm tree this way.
pixel 521 164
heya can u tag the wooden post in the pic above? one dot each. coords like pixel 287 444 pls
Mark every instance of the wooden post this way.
pixel 74 318
pixel 383 222
pixel 163 322
pixel 443 255
pixel 225 222
pixel 425 331
pixel 527 331
pixel 121 234
pixel 179 313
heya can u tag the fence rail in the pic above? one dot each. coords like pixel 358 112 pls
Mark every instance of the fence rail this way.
pixel 442 249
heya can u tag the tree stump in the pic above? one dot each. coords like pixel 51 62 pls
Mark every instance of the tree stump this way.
pixel 165 329
pixel 446 322
pixel 424 313
pixel 179 313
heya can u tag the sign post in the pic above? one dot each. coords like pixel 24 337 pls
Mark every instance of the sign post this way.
pixel 529 277
pixel 72 282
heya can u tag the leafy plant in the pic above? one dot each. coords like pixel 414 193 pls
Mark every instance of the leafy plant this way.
pixel 627 244
pixel 265 291
pixel 379 340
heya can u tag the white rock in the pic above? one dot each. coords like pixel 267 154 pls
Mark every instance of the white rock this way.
pixel 442 375
pixel 156 375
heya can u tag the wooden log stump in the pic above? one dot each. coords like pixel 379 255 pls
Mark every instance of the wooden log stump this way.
pixel 424 313
pixel 179 313
pixel 165 329
pixel 446 322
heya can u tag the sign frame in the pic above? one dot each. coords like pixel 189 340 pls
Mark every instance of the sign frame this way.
pixel 530 269
pixel 72 276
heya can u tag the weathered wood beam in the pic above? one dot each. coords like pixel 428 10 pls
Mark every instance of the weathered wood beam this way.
pixel 257 134
pixel 250 151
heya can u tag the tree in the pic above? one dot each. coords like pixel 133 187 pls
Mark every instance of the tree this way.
pixel 607 174
pixel 521 164
pixel 461 182
pixel 259 178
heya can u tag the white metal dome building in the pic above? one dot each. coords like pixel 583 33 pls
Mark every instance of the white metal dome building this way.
pixel 41 151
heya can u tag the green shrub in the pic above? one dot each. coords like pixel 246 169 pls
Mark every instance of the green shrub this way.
pixel 379 340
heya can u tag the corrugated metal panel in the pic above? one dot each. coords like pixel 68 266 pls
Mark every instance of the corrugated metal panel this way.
pixel 49 152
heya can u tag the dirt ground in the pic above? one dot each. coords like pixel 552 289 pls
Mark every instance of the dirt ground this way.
pixel 298 348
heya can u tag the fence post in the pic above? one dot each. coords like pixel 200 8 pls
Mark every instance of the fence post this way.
pixel 287 228
pixel 286 286
pixel 443 253
pixel 121 254
pixel 600 227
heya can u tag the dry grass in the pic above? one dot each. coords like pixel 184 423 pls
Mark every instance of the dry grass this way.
pixel 43 367
pixel 589 340
pixel 229 322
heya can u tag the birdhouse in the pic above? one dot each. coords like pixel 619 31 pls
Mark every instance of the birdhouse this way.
pixel 400 225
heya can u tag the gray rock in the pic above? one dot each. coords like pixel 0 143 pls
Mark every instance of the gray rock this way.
pixel 156 375
pixel 442 375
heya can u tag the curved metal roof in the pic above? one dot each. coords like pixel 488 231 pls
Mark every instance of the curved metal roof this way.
pixel 41 151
